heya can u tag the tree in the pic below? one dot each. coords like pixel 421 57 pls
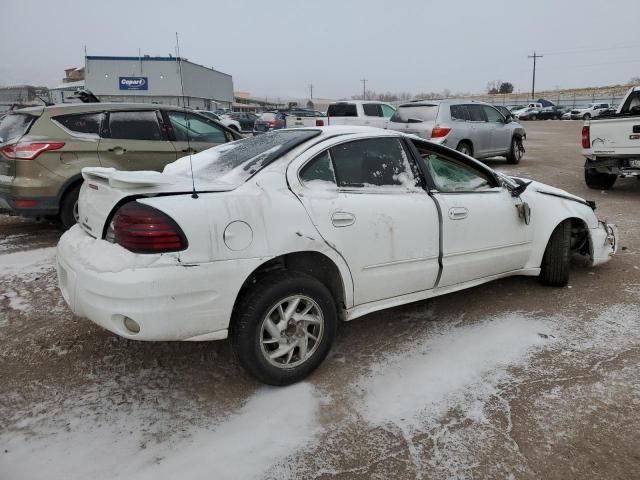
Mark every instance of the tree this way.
pixel 493 87
pixel 635 81
pixel 506 87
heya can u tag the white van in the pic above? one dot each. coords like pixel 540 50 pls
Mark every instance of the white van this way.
pixel 360 112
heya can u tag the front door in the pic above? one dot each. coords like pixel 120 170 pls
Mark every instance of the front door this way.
pixel 365 199
pixel 134 140
pixel 481 130
pixel 482 232
pixel 500 132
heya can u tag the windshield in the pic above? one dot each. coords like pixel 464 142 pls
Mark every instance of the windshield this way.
pixel 424 113
pixel 268 116
pixel 14 125
pixel 234 163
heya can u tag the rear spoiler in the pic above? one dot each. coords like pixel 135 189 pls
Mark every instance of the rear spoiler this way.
pixel 119 179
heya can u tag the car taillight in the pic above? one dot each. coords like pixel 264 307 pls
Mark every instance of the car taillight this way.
pixel 29 151
pixel 141 228
pixel 439 132
pixel 272 123
pixel 319 123
pixel 586 137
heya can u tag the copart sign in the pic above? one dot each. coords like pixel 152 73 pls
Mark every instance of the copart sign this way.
pixel 134 83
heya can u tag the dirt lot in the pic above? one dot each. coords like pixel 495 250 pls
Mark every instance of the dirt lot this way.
pixel 507 380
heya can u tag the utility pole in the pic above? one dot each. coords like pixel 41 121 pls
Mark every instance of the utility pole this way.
pixel 533 86
pixel 364 88
pixel 311 88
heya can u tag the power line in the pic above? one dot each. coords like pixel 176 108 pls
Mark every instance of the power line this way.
pixel 533 85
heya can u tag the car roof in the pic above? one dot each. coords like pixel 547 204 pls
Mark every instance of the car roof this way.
pixel 447 101
pixel 357 102
pixel 63 108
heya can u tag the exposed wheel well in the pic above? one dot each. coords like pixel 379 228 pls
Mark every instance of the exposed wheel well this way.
pixel 64 191
pixel 580 238
pixel 313 264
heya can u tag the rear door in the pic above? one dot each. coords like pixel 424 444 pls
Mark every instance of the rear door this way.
pixel 373 115
pixel 134 140
pixel 481 131
pixel 192 133
pixel 365 198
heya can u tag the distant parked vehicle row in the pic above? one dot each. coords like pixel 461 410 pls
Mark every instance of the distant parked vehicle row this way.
pixel 473 128
pixel 223 119
pixel 360 112
pixel 290 118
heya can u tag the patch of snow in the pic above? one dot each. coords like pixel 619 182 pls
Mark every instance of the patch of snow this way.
pixel 27 263
pixel 461 366
pixel 272 425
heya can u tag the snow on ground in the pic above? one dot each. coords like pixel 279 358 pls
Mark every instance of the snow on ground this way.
pixel 87 438
pixel 27 263
pixel 460 365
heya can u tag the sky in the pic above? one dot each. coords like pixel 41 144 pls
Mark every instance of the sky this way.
pixel 277 48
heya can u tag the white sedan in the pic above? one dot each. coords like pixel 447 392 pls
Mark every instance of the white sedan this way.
pixel 276 238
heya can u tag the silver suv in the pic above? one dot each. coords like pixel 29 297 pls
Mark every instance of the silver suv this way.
pixel 474 128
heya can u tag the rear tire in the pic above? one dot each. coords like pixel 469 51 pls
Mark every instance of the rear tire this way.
pixel 554 270
pixel 466 148
pixel 586 116
pixel 258 314
pixel 534 117
pixel 515 154
pixel 597 180
pixel 69 207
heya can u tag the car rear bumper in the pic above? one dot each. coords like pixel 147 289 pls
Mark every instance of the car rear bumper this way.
pixel 27 206
pixel 167 302
pixel 619 165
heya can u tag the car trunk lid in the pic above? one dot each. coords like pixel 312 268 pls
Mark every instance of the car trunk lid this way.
pixel 104 189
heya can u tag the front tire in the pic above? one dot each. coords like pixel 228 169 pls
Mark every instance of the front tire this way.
pixel 586 116
pixel 554 270
pixel 465 147
pixel 69 208
pixel 283 327
pixel 515 151
pixel 597 180
pixel 534 117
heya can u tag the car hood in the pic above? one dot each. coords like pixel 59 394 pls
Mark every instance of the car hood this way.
pixel 543 188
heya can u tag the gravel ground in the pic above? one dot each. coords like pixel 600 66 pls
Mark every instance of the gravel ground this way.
pixel 506 380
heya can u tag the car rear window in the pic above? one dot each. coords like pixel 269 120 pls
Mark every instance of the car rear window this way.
pixel 14 125
pixel 234 163
pixel 268 116
pixel 342 110
pixel 422 112
pixel 83 123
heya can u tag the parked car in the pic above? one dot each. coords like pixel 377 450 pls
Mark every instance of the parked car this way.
pixel 611 144
pixel 224 119
pixel 504 111
pixel 592 110
pixel 246 120
pixel 289 118
pixel 295 230
pixel 474 128
pixel 529 113
pixel 43 149
pixel 360 112
pixel 515 108
pixel 553 112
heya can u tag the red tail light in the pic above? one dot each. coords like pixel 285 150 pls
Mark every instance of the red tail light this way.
pixel 439 132
pixel 319 123
pixel 586 137
pixel 143 229
pixel 29 151
pixel 272 123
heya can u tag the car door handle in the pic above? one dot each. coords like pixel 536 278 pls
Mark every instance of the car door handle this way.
pixel 189 150
pixel 343 219
pixel 458 213
pixel 118 150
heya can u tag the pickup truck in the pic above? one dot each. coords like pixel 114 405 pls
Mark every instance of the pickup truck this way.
pixel 611 144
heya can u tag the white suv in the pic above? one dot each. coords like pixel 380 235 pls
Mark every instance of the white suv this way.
pixel 360 112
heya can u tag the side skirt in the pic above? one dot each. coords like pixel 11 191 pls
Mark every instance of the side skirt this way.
pixel 366 308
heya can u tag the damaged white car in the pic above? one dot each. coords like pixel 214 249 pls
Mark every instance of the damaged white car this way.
pixel 274 239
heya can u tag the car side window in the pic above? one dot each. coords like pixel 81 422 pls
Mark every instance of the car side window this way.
pixel 454 176
pixel 459 112
pixel 476 113
pixel 372 109
pixel 82 123
pixel 373 162
pixel 387 111
pixel 319 171
pixel 141 125
pixel 492 114
pixel 188 127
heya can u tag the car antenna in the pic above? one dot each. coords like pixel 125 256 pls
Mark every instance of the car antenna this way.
pixel 186 126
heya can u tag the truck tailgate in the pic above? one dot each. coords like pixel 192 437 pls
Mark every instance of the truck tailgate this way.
pixel 613 136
